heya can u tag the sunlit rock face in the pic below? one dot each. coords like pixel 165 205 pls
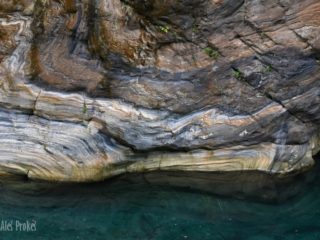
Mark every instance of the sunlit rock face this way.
pixel 94 89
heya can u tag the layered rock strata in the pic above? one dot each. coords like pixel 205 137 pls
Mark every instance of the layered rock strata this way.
pixel 94 89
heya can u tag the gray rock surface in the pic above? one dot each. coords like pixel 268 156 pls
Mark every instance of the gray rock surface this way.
pixel 94 89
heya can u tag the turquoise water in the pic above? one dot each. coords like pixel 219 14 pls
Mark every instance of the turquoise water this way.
pixel 167 206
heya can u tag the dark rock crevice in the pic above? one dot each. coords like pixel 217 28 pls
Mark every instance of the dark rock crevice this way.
pixel 114 86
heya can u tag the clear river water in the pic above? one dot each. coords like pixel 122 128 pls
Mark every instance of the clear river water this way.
pixel 165 206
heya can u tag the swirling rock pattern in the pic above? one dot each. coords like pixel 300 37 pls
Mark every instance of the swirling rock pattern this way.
pixel 94 89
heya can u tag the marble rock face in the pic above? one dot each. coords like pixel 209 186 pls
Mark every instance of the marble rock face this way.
pixel 94 89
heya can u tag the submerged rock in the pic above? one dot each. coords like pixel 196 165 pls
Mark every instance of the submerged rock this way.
pixel 94 89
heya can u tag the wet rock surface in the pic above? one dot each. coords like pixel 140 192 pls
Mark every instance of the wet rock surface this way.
pixel 93 89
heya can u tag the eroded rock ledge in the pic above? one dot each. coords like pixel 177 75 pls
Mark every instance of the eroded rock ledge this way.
pixel 94 89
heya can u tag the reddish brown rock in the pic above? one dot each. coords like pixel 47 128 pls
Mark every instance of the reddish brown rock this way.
pixel 92 89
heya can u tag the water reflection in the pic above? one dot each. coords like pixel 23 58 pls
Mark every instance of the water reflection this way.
pixel 168 206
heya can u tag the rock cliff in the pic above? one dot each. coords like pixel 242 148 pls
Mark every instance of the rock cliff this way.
pixel 93 89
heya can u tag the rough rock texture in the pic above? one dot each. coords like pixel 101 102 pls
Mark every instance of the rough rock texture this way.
pixel 93 89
